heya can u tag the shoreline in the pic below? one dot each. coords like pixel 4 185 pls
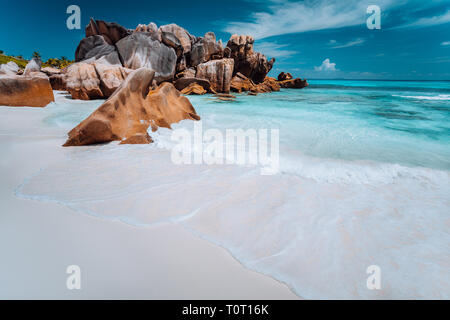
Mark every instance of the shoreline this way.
pixel 182 266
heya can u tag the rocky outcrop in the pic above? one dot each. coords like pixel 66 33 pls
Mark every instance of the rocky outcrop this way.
pixel 205 49
pixel 110 31
pixel 34 65
pixel 49 71
pixel 293 84
pixel 140 51
pixel 184 38
pixel 151 29
pixel 194 88
pixel 218 73
pixel 10 69
pixel 173 53
pixel 82 81
pixel 284 76
pixel 129 112
pixel 111 77
pixel 182 83
pixel 241 83
pixel 88 81
pixel 58 82
pixel 95 47
pixel 253 65
pixel 268 85
pixel 20 91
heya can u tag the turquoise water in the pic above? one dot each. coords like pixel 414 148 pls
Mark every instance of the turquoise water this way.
pixel 364 180
pixel 396 122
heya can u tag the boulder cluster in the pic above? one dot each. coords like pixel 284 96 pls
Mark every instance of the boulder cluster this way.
pixel 142 74
pixel 30 87
pixel 131 110
pixel 195 65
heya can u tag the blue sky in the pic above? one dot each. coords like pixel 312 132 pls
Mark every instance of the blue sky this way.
pixel 311 38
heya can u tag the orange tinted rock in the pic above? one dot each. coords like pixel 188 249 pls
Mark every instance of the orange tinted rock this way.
pixel 268 85
pixel 138 138
pixel 293 83
pixel 194 88
pixel 20 91
pixel 129 112
pixel 284 76
pixel 241 83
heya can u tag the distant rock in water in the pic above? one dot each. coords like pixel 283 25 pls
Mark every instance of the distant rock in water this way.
pixel 253 65
pixel 129 112
pixel 284 76
pixel 293 84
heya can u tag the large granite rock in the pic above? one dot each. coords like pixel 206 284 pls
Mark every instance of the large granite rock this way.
pixel 34 65
pixel 95 47
pixel 58 82
pixel 218 73
pixel 253 65
pixel 111 77
pixel 181 34
pixel 206 48
pixel 10 68
pixel 241 83
pixel 141 51
pixel 20 91
pixel 111 32
pixel 128 113
pixel 194 88
pixel 268 85
pixel 82 81
pixel 183 83
pixel 89 81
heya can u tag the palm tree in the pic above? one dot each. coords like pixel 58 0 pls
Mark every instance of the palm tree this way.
pixel 37 55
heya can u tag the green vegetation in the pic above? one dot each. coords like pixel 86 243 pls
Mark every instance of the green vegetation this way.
pixel 57 63
pixel 20 62
pixel 60 63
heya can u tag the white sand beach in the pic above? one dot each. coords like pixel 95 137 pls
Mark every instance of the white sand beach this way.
pixel 140 226
pixel 39 239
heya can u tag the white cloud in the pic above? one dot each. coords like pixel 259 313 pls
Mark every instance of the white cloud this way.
pixel 273 50
pixel 445 43
pixel 355 42
pixel 284 17
pixel 428 21
pixel 326 66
